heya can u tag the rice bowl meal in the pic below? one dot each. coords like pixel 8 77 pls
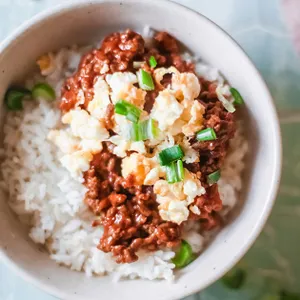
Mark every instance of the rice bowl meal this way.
pixel 123 159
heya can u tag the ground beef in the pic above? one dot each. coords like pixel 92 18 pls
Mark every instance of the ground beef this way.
pixel 169 46
pixel 167 43
pixel 212 153
pixel 109 124
pixel 117 52
pixel 209 204
pixel 129 212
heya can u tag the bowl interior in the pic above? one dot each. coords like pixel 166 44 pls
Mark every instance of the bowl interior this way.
pixel 83 22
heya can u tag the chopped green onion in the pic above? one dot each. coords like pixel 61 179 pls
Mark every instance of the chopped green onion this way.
pixel 234 279
pixel 180 170
pixel 238 99
pixel 120 109
pixel 284 295
pixel 184 256
pixel 14 97
pixel 207 134
pixel 145 80
pixel 227 104
pixel 43 91
pixel 133 116
pixel 144 130
pixel 175 171
pixel 168 155
pixel 148 129
pixel 129 110
pixel 152 62
pixel 153 130
pixel 213 177
pixel 171 173
pixel 137 64
pixel 135 132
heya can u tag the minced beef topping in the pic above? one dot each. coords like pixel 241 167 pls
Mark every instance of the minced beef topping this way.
pixel 129 212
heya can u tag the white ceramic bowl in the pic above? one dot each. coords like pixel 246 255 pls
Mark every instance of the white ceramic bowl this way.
pixel 83 21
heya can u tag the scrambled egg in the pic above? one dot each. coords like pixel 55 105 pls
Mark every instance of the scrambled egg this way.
pixel 93 146
pixel 192 186
pixel 77 163
pixel 177 114
pixel 190 154
pixel 173 210
pixel 122 86
pixel 124 145
pixel 166 109
pixel 161 72
pixel 84 125
pixel 79 142
pixel 186 85
pixel 46 64
pixel 175 109
pixel 194 118
pixel 98 106
pixel 118 80
pixel 122 126
pixel 154 175
pixel 138 165
pixel 174 199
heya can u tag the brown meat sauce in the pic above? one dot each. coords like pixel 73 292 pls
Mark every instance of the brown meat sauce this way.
pixel 129 212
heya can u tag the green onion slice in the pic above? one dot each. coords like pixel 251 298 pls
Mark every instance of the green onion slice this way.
pixel 129 110
pixel 14 97
pixel 145 80
pixel 135 132
pixel 144 130
pixel 226 103
pixel 180 170
pixel 207 134
pixel 149 129
pixel 238 99
pixel 184 256
pixel 234 279
pixel 152 62
pixel 120 108
pixel 171 173
pixel 169 155
pixel 133 116
pixel 43 91
pixel 175 171
pixel 213 177
pixel 137 64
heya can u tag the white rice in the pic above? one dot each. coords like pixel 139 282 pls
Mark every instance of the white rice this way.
pixel 44 195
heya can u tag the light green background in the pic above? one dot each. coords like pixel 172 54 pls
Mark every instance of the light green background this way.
pixel 258 26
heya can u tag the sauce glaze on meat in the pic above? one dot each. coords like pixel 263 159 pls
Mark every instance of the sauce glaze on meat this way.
pixel 129 213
